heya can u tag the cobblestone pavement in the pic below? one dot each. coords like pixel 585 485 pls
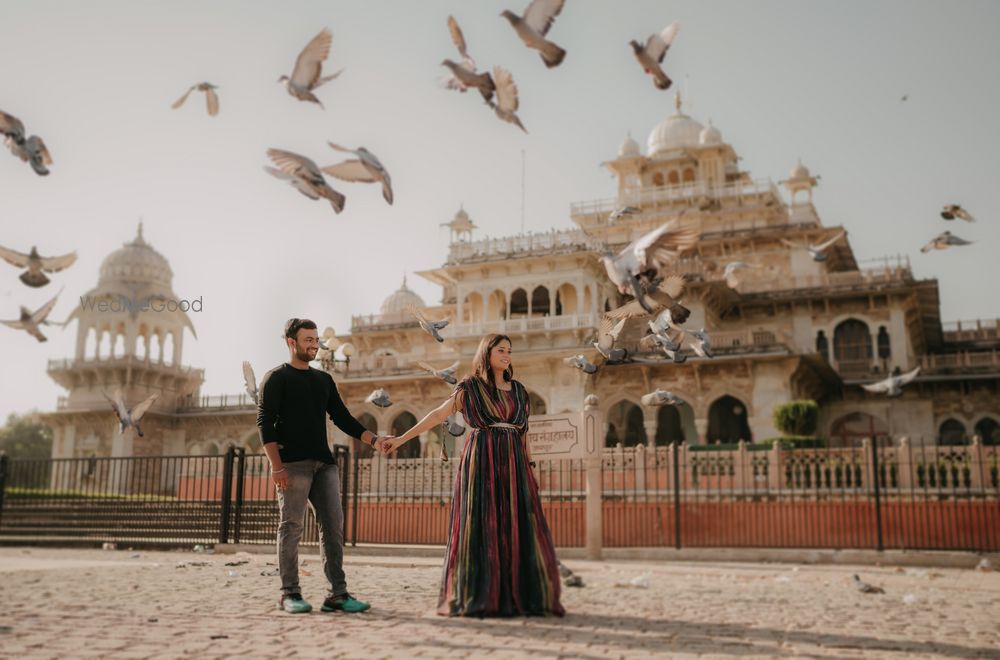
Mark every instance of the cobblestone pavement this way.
pixel 65 603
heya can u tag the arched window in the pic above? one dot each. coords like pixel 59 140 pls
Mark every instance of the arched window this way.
pixel 537 403
pixel 540 301
pixel 988 430
pixel 625 419
pixel 403 422
pixel 823 345
pixel 727 421
pixel 884 347
pixel 850 429
pixel 688 175
pixel 675 424
pixel 104 345
pixel 673 178
pixel 658 179
pixel 365 450
pixel 155 348
pixel 90 344
pixel 496 306
pixel 472 308
pixel 951 432
pixel 852 342
pixel 519 304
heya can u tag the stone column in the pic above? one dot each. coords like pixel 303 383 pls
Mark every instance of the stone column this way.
pixel 649 424
pixel 593 443
pixel 976 463
pixel 701 426
pixel 904 464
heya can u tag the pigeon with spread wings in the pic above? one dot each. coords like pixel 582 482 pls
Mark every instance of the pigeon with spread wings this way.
pixel 30 321
pixel 463 74
pixel 366 168
pixel 607 335
pixel 943 241
pixel 648 258
pixel 305 176
pixel 507 102
pixel 31 150
pixel 952 211
pixel 447 374
pixel 534 25
pixel 430 327
pixel 664 297
pixel 308 72
pixel 816 251
pixel 211 98
pixel 893 385
pixel 36 264
pixel 250 381
pixel 650 56
pixel 129 417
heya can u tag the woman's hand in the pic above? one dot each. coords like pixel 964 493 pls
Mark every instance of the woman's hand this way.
pixel 389 444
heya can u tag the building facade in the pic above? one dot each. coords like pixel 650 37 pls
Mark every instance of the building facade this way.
pixel 793 328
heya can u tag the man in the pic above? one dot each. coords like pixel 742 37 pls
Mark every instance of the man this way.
pixel 293 400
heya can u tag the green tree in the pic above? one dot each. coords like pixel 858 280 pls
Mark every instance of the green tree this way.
pixel 25 436
pixel 797 417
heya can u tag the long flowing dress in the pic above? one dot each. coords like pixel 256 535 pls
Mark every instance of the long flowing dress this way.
pixel 500 559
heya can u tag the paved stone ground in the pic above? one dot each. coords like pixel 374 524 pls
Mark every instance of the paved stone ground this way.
pixel 67 603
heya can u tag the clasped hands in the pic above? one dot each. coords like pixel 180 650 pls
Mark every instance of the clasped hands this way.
pixel 387 444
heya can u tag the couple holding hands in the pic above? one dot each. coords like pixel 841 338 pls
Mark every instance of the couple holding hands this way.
pixel 499 560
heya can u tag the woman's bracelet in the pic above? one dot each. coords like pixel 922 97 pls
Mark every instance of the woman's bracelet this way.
pixel 273 471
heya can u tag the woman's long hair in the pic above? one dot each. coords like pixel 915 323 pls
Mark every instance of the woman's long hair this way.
pixel 481 362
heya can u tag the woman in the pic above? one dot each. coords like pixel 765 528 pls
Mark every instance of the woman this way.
pixel 500 559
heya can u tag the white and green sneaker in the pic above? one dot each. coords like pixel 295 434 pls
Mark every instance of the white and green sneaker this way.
pixel 294 604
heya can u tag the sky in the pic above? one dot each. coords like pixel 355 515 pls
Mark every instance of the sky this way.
pixel 782 80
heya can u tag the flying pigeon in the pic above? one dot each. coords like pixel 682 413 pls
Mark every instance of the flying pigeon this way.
pixel 306 76
pixel 250 381
pixel 893 385
pixel 732 279
pixel 129 417
pixel 944 241
pixel 30 321
pixel 431 327
pixel 447 374
pixel 534 25
pixel 304 176
pixel 507 103
pixel 581 363
pixel 607 335
pixel 662 341
pixel 700 342
pixel 646 257
pixel 650 56
pixel 36 264
pixel 366 167
pixel 661 398
pixel 453 427
pixel 463 74
pixel 866 588
pixel 654 301
pixel 816 251
pixel 31 150
pixel 952 211
pixel 380 398
pixel 622 211
pixel 211 98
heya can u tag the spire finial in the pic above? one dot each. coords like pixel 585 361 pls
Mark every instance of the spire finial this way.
pixel 677 101
pixel 139 240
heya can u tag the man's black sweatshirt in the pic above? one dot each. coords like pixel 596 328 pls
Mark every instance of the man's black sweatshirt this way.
pixel 291 408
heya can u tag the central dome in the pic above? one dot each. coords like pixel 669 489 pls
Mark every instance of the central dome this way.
pixel 400 300
pixel 678 131
pixel 136 262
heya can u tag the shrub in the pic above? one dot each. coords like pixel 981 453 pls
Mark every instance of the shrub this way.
pixel 796 418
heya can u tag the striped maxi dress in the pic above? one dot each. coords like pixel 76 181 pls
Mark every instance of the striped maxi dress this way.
pixel 500 559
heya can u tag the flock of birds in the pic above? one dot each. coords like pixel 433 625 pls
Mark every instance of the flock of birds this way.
pixel 641 271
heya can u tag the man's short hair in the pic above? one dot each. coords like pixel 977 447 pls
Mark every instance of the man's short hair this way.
pixel 292 326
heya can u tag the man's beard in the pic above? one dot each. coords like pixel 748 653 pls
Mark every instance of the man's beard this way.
pixel 303 354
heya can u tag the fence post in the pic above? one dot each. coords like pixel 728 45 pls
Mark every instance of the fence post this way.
pixel 238 512
pixel 4 462
pixel 227 493
pixel 355 481
pixel 593 429
pixel 975 464
pixel 774 468
pixel 676 472
pixel 740 467
pixel 904 464
pixel 874 484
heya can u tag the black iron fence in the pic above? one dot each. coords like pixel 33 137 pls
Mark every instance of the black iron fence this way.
pixel 909 495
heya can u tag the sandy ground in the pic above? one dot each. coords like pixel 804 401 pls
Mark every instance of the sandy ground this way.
pixel 68 603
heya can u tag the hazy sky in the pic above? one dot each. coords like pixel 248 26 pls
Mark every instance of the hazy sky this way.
pixel 781 80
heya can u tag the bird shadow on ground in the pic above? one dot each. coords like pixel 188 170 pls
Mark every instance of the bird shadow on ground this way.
pixel 627 633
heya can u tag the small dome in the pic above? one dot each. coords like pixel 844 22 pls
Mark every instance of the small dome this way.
pixel 400 300
pixel 136 262
pixel 677 131
pixel 629 148
pixel 800 171
pixel 710 135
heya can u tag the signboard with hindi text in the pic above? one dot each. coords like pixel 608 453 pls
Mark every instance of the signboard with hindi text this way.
pixel 555 436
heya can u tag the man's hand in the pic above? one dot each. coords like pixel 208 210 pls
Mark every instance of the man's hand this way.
pixel 388 444
pixel 280 478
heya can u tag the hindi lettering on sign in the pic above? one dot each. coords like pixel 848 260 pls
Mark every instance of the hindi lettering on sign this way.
pixel 554 436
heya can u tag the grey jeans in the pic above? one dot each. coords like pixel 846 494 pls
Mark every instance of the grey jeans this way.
pixel 318 484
